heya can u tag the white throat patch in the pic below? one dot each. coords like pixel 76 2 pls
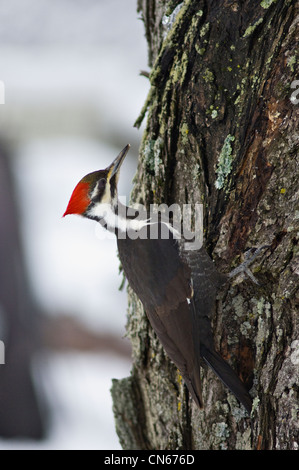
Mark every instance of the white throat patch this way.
pixel 115 221
pixel 105 212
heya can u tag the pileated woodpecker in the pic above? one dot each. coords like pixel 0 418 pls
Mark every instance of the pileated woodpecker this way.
pixel 177 288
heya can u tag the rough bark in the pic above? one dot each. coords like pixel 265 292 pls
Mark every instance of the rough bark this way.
pixel 221 130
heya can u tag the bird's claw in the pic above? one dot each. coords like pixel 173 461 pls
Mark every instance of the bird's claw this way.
pixel 244 267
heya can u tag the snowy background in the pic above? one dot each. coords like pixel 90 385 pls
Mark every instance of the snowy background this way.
pixel 72 93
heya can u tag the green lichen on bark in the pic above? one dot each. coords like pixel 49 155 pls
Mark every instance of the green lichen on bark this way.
pixel 224 165
pixel 252 27
pixel 267 3
pixel 152 151
pixel 178 58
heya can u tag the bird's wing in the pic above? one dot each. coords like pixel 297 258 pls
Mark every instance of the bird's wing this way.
pixel 180 312
pixel 162 281
pixel 175 330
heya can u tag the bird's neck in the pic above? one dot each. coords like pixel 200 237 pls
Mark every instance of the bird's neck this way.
pixel 127 222
pixel 117 217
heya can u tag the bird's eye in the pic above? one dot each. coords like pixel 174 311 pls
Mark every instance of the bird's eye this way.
pixel 102 183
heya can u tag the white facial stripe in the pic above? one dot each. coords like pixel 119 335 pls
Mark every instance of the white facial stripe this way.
pixel 175 232
pixel 106 198
pixel 114 221
pixel 117 221
pixel 94 192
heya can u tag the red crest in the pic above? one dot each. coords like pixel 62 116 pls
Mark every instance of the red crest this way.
pixel 79 200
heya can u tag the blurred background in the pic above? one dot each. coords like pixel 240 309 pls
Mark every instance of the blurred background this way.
pixel 72 93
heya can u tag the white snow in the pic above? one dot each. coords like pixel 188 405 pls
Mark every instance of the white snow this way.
pixel 77 388
pixel 72 93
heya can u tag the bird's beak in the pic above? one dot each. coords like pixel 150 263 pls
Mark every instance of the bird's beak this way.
pixel 116 164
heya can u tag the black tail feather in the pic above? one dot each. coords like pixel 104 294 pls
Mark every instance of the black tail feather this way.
pixel 223 370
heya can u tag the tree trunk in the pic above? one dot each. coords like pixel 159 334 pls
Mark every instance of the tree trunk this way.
pixel 221 130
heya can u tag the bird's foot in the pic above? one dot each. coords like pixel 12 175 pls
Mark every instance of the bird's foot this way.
pixel 250 257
